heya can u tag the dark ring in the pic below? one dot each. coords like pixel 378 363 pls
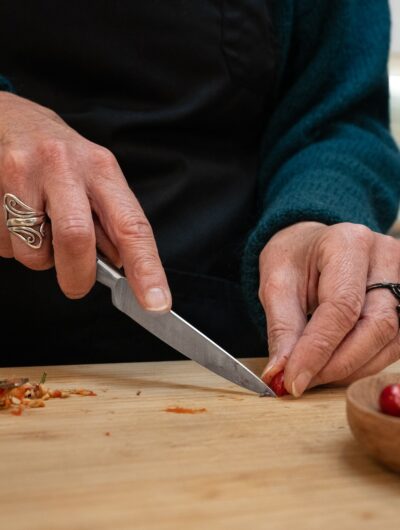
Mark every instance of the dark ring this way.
pixel 394 288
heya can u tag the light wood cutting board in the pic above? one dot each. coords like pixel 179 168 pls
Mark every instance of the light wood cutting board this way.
pixel 244 463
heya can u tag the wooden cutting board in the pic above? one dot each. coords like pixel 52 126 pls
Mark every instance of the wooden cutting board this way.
pixel 121 461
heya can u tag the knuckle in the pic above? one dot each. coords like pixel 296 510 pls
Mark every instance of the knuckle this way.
pixel 103 159
pixel 389 246
pixel 53 150
pixel 144 265
pixel 271 286
pixel 354 234
pixel 277 330
pixel 321 347
pixel 16 164
pixel 357 231
pixel 360 231
pixel 76 235
pixel 133 227
pixel 345 309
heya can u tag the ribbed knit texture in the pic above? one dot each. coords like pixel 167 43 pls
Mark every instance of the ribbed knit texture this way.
pixel 327 154
pixel 6 85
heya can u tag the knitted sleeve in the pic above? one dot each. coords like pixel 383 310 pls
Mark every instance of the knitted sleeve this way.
pixel 5 84
pixel 327 154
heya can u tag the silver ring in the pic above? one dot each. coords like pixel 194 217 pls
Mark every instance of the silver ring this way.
pixel 23 221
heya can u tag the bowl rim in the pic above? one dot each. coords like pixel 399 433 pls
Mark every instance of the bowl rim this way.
pixel 381 416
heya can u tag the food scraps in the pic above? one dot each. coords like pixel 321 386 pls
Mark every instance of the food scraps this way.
pixel 182 410
pixel 34 395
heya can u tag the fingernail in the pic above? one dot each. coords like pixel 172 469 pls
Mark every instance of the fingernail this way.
pixel 268 368
pixel 300 384
pixel 156 299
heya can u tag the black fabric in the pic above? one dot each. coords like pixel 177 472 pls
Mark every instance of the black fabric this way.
pixel 178 91
pixel 54 330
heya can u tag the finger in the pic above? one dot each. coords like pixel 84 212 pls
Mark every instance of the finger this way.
pixel 73 237
pixel 387 356
pixel 343 265
pixel 6 250
pixel 40 258
pixel 284 302
pixel 104 244
pixel 124 222
pixel 378 324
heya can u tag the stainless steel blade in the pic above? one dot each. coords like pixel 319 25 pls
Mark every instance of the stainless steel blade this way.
pixel 179 334
pixel 9 384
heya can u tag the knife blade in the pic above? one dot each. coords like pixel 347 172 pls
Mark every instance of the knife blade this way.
pixel 9 384
pixel 178 333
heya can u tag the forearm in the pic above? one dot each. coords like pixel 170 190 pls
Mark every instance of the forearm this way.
pixel 327 153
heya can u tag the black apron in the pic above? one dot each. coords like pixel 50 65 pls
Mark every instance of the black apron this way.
pixel 178 91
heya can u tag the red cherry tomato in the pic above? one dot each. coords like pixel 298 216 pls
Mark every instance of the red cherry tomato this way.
pixel 389 400
pixel 277 384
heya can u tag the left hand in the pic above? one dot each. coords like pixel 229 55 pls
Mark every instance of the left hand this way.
pixel 324 270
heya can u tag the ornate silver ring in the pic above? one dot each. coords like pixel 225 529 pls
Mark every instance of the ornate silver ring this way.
pixel 23 221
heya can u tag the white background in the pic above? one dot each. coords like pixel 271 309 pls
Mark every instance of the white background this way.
pixel 395 7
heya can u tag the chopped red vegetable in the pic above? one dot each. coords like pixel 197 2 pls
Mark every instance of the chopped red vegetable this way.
pixel 277 384
pixel 182 410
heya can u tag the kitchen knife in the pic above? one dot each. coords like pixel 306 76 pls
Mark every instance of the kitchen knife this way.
pixel 9 384
pixel 176 332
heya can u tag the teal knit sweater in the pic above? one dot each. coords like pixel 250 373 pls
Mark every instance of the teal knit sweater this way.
pixel 327 154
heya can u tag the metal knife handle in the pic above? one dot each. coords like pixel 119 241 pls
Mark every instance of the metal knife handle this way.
pixel 107 274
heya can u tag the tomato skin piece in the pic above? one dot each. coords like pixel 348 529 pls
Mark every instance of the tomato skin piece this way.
pixel 277 384
pixel 389 400
pixel 18 411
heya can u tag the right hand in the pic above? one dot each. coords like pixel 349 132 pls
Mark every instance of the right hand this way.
pixel 79 184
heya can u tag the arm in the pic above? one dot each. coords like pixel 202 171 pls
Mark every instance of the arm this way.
pixel 327 154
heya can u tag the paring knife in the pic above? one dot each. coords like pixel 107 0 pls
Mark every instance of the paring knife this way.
pixel 9 384
pixel 176 332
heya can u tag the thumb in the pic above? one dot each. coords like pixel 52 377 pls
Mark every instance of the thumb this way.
pixel 285 309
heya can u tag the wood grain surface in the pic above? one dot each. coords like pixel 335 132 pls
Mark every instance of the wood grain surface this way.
pixel 244 463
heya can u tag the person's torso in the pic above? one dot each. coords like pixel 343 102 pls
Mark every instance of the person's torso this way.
pixel 178 91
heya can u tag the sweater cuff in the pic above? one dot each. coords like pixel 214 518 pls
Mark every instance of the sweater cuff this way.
pixel 308 198
pixel 6 85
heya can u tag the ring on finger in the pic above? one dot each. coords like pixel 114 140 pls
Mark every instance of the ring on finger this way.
pixel 394 288
pixel 23 221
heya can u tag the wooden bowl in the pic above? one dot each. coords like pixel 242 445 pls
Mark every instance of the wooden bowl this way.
pixel 378 433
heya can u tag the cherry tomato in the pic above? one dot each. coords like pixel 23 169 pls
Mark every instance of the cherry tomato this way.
pixel 389 400
pixel 277 384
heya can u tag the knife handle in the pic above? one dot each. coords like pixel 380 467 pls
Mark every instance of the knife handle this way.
pixel 106 273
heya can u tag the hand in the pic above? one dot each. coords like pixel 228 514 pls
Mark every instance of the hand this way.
pixel 311 268
pixel 80 186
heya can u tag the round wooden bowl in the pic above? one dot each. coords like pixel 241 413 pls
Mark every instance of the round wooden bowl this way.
pixel 378 433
